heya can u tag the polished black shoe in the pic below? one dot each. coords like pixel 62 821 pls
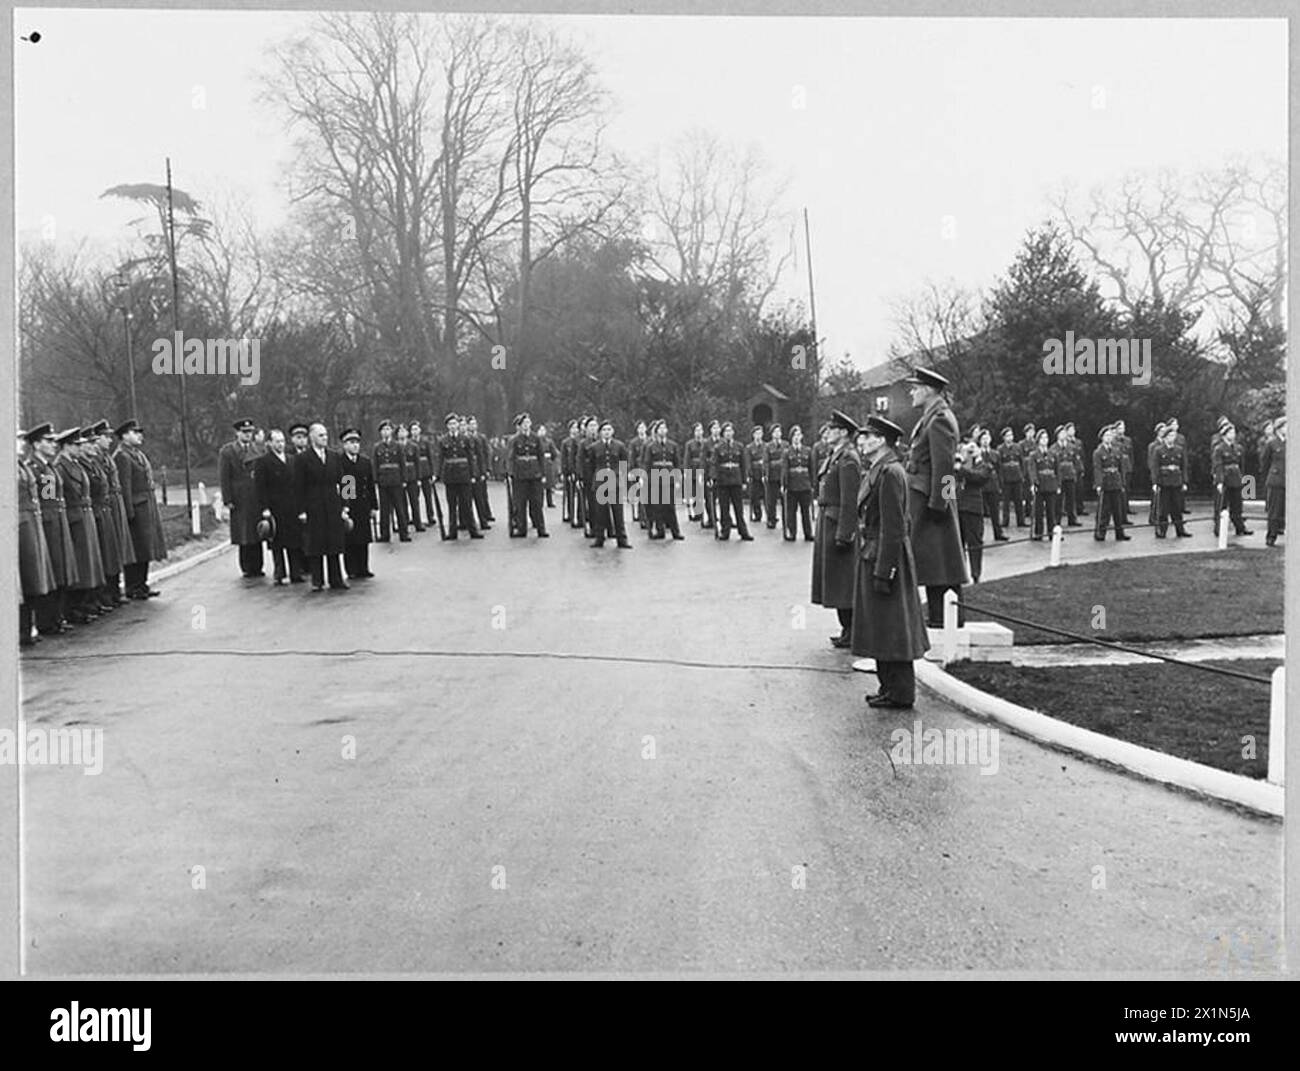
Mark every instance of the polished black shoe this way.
pixel 476 535
pixel 1184 535
pixel 1002 539
pixel 543 535
pixel 1245 531
pixel 623 544
pixel 747 538
pixel 678 535
pixel 892 704
pixel 1122 538
pixel 598 543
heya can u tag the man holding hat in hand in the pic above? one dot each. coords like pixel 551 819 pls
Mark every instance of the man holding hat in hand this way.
pixel 239 493
pixel 887 622
pixel 932 489
pixel 837 503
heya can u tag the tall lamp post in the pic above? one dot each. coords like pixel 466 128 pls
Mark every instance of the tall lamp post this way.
pixel 121 295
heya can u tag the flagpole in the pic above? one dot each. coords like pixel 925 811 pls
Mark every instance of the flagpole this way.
pixel 812 308
pixel 176 329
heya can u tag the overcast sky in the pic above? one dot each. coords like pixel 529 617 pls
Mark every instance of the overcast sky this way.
pixel 905 122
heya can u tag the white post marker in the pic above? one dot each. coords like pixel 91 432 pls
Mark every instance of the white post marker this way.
pixel 1223 529
pixel 1057 536
pixel 949 626
pixel 1277 727
pixel 196 528
pixel 203 493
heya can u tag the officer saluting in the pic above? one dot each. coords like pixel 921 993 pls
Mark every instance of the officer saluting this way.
pixel 932 511
pixel 837 502
pixel 887 621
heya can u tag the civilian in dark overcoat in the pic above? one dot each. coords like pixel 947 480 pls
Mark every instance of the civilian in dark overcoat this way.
pixel 317 475
pixel 273 478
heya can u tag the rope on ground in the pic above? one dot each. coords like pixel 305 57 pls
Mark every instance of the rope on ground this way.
pixel 415 653
pixel 1205 667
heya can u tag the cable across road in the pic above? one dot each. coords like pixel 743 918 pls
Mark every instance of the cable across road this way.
pixel 1079 637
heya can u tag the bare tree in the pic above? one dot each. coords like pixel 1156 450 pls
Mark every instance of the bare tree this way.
pixel 711 220
pixel 1215 240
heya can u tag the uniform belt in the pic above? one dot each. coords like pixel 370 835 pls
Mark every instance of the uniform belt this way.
pixel 729 464
pixel 798 468
pixel 1171 468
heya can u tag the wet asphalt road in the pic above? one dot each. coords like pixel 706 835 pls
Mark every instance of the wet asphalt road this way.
pixel 535 756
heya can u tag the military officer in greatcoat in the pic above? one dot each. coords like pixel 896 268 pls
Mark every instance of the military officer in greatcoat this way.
pixel 238 492
pixel 457 472
pixel 663 460
pixel 135 472
pixel 273 477
pixel 36 576
pixel 837 512
pixel 389 461
pixel 609 460
pixel 932 506
pixel 318 475
pixel 1272 467
pixel 887 622
pixel 83 596
pixel 51 608
pixel 357 489
pixel 796 476
pixel 525 472
pixel 107 598
pixel 106 442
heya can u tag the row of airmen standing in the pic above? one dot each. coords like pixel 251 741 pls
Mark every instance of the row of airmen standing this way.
pixel 88 525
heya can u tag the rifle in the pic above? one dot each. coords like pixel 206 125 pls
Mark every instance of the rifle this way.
pixel 437 507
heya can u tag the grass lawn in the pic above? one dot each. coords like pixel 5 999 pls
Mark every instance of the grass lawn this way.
pixel 176 523
pixel 1180 711
pixel 1235 592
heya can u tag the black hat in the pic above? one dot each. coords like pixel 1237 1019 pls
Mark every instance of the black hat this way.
pixel 1068 425
pixel 39 432
pixel 1057 433
pixel 607 423
pixel 714 424
pixel 384 424
pixel 794 428
pixel 1027 429
pixel 266 527
pixel 886 428
pixel 87 434
pixel 756 428
pixel 1223 423
pixel 100 427
pixel 520 418
pixel 299 425
pixel 451 418
pixel 123 428
pixel 840 419
pixel 350 433
pixel 1008 430
pixel 725 425
pixel 929 378
pixel 243 425
pixel 68 435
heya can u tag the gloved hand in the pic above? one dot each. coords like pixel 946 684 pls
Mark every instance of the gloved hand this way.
pixel 882 585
